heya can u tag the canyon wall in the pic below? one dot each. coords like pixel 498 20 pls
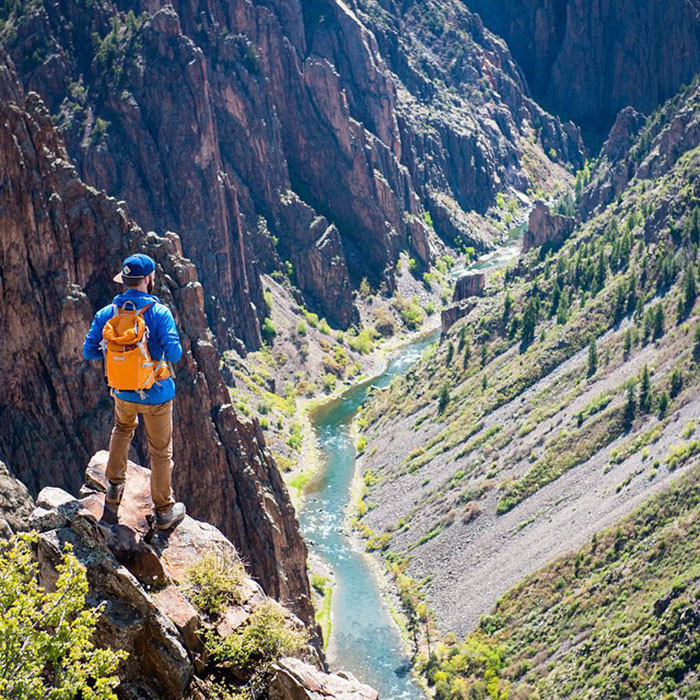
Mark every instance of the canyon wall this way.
pixel 323 121
pixel 61 244
pixel 586 60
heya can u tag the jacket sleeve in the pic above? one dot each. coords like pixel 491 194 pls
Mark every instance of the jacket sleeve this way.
pixel 91 346
pixel 168 337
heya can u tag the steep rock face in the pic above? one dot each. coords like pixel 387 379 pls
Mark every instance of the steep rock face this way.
pixel 643 148
pixel 586 60
pixel 60 246
pixel 145 611
pixel 297 110
pixel 544 227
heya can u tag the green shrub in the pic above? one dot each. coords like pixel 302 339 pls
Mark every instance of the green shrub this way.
pixel 46 647
pixel 363 341
pixel 213 583
pixel 268 330
pixel 267 637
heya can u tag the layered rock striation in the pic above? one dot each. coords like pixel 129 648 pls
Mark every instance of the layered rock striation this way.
pixel 61 243
pixel 335 126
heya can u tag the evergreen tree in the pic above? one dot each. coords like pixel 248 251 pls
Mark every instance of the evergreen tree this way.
pixel 462 338
pixel 645 391
pixel 592 357
pixel 663 405
pixel 696 344
pixel 630 408
pixel 443 397
pixel 529 323
pixel 556 298
pixel 690 291
pixel 467 353
pixel 507 308
pixel 659 321
pixel 450 353
pixel 627 343
pixel 563 308
pixel 676 383
pixel 484 355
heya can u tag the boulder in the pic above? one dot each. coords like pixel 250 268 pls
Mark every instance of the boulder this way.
pixel 15 504
pixel 294 680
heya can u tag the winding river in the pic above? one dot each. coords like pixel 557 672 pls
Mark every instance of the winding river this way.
pixel 365 639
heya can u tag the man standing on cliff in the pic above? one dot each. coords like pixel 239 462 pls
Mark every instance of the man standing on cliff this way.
pixel 152 398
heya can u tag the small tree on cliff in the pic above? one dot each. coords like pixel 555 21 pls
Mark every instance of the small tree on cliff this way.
pixel 46 648
pixel 443 397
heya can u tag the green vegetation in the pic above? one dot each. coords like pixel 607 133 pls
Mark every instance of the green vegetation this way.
pixel 46 637
pixel 213 583
pixel 616 620
pixel 267 636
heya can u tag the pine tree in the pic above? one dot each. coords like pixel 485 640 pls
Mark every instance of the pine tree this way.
pixel 676 383
pixel 443 397
pixel 663 405
pixel 467 353
pixel 627 343
pixel 450 353
pixel 563 308
pixel 690 291
pixel 696 344
pixel 507 308
pixel 659 321
pixel 484 355
pixel 645 391
pixel 630 408
pixel 529 323
pixel 462 338
pixel 592 357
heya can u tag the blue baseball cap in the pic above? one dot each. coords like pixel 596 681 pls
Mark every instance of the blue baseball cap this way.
pixel 135 267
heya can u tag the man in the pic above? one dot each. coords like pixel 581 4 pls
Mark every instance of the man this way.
pixel 155 404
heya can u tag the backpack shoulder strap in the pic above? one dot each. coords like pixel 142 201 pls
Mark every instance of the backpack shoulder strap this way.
pixel 142 311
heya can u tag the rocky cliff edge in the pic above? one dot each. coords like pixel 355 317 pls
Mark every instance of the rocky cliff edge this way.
pixel 148 608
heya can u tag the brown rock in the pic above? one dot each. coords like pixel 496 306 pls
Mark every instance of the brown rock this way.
pixel 546 228
pixel 469 285
pixel 159 628
pixel 60 246
pixel 15 504
pixel 294 680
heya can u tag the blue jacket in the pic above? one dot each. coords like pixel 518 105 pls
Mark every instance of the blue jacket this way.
pixel 163 342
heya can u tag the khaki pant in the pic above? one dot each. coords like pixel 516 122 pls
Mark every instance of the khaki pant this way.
pixel 159 430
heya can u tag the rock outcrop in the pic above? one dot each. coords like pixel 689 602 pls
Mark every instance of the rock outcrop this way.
pixel 586 60
pixel 16 504
pixel 642 147
pixel 470 285
pixel 320 119
pixel 546 228
pixel 61 243
pixel 145 608
pixel 467 288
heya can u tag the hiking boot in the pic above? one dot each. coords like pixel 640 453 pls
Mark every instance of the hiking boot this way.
pixel 170 518
pixel 114 493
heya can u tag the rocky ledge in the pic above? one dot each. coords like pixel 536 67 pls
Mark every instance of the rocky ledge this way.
pixel 141 584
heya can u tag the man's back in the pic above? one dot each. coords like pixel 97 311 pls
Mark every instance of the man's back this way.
pixel 163 342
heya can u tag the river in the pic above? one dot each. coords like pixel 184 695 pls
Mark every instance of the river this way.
pixel 365 639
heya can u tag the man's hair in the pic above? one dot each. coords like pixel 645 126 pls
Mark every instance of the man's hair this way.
pixel 132 281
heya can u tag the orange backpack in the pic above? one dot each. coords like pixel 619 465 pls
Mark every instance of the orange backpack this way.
pixel 128 363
